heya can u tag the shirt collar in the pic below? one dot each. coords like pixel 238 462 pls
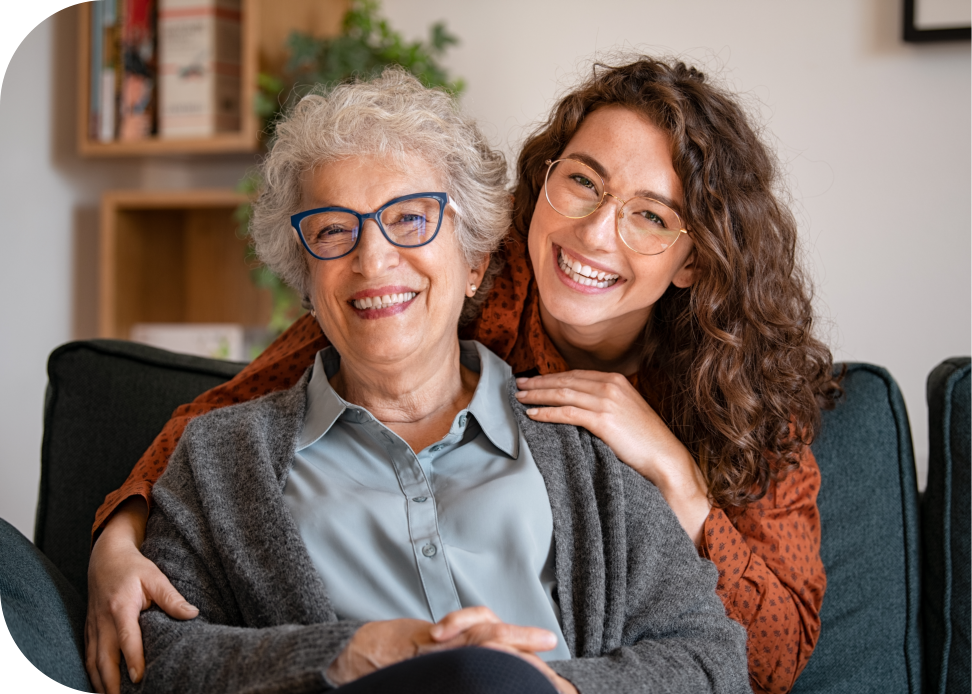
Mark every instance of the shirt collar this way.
pixel 324 405
pixel 489 404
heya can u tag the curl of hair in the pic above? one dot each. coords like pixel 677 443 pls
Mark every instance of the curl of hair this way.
pixel 398 119
pixel 746 378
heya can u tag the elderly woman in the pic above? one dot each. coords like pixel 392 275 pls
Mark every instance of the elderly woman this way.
pixel 397 503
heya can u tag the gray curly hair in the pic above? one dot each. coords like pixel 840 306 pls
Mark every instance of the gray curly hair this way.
pixel 393 115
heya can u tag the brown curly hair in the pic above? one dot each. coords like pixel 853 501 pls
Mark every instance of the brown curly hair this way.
pixel 746 378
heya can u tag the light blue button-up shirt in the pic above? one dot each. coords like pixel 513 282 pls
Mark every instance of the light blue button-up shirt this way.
pixel 464 522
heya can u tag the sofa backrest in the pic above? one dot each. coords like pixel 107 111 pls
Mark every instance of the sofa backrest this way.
pixel 869 639
pixel 106 402
pixel 945 529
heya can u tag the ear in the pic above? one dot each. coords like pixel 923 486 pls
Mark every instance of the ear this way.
pixel 476 274
pixel 685 275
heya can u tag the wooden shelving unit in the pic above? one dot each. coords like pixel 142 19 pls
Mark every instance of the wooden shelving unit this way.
pixel 174 257
pixel 265 27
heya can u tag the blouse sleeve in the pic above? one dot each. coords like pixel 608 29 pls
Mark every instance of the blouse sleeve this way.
pixel 280 366
pixel 771 577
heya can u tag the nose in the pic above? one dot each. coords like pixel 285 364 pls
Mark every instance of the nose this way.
pixel 598 231
pixel 374 255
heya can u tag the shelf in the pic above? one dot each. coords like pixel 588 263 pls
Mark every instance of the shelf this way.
pixel 174 257
pixel 265 27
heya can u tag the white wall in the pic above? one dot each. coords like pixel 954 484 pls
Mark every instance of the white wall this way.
pixel 875 133
pixel 48 207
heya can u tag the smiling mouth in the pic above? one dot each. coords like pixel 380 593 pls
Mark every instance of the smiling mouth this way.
pixel 585 274
pixel 386 301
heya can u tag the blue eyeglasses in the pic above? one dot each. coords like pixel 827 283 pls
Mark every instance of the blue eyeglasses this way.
pixel 407 222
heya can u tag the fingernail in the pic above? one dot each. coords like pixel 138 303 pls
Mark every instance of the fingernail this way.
pixel 132 674
pixel 520 393
pixel 532 411
pixel 436 631
pixel 191 607
pixel 521 381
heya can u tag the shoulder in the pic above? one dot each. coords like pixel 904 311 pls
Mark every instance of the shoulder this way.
pixel 247 436
pixel 280 404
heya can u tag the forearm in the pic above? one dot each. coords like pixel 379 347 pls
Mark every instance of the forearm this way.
pixel 759 591
pixel 202 657
pixel 714 661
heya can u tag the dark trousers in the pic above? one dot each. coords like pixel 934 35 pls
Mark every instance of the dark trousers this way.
pixel 459 671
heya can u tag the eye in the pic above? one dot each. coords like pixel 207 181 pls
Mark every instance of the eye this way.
pixel 584 181
pixel 652 218
pixel 410 219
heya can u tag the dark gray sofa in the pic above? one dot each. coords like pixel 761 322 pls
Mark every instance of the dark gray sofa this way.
pixel 881 631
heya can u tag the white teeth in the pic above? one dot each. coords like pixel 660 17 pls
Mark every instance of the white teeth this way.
pixel 382 301
pixel 585 274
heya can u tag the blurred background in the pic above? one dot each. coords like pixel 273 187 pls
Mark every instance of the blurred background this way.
pixel 107 234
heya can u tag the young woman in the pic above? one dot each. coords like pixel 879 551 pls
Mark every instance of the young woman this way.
pixel 651 295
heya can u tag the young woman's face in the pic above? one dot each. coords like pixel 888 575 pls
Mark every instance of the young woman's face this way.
pixel 633 158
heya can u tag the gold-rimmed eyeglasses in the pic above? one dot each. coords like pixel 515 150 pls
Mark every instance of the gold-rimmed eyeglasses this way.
pixel 645 225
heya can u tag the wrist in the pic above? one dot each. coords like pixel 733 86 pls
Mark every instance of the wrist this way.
pixel 127 524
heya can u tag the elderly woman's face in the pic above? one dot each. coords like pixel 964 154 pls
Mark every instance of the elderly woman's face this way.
pixel 424 286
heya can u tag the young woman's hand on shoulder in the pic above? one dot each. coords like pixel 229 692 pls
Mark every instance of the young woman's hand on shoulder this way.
pixel 607 405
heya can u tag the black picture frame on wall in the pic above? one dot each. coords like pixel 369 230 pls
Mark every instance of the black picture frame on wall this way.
pixel 913 34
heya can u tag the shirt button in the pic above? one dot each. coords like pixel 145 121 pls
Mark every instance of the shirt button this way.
pixel 429 550
pixel 436 448
pixel 420 499
pixel 462 420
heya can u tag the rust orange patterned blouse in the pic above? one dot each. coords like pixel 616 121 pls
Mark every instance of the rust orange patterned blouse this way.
pixel 771 577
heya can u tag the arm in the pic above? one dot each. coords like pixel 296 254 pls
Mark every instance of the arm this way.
pixel 771 576
pixel 217 651
pixel 121 581
pixel 674 634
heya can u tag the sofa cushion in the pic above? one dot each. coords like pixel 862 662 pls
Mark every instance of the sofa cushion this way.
pixel 869 640
pixel 945 529
pixel 43 612
pixel 106 402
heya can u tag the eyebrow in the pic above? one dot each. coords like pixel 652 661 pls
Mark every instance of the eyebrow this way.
pixel 602 172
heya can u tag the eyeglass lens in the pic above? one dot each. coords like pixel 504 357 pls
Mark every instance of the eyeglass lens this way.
pixel 646 225
pixel 408 223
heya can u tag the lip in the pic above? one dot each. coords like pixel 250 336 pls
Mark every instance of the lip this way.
pixel 376 313
pixel 577 286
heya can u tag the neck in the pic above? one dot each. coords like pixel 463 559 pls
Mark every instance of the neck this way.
pixel 416 398
pixel 612 346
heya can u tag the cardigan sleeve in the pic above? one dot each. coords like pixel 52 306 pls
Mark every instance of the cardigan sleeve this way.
pixel 213 653
pixel 279 367
pixel 262 626
pixel 675 635
pixel 771 576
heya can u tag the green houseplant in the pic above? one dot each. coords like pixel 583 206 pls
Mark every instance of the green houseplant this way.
pixel 365 45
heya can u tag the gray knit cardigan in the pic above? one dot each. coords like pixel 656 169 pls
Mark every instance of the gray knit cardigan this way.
pixel 638 605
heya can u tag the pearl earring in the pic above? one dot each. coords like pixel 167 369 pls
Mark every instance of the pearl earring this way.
pixel 473 289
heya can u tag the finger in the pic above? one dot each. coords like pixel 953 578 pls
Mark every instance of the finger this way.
pixel 576 378
pixel 511 636
pixel 565 415
pixel 107 657
pixel 160 591
pixel 130 640
pixel 459 621
pixel 91 653
pixel 562 397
